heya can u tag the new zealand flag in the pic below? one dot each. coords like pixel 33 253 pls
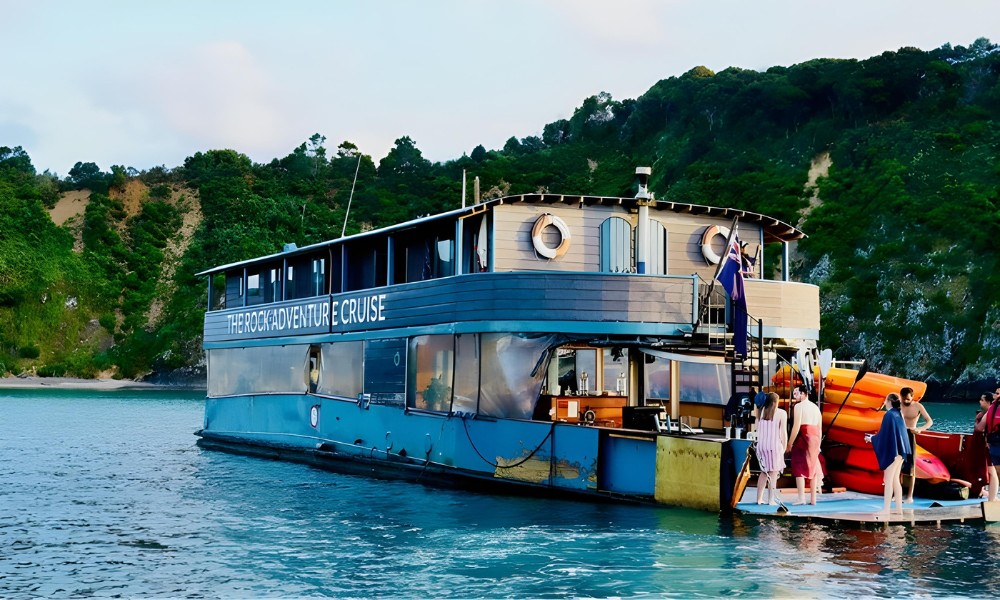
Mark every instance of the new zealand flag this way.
pixel 731 278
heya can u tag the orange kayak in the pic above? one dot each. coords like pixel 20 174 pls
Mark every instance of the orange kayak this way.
pixel 870 392
pixel 850 417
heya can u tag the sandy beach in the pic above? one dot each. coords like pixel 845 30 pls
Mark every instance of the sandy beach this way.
pixel 71 383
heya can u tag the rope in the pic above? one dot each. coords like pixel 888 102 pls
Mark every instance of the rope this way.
pixel 465 425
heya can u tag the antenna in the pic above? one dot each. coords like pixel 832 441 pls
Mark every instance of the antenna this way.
pixel 351 197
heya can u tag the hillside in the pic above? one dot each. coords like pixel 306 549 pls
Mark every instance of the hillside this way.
pixel 889 164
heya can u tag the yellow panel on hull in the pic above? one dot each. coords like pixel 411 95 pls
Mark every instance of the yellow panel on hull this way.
pixel 687 472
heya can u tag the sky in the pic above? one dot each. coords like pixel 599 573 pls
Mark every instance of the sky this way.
pixel 143 83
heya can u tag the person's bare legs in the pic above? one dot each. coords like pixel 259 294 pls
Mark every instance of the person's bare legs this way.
pixel 772 486
pixel 814 489
pixel 891 486
pixel 897 484
pixel 761 479
pixel 994 484
pixel 913 483
pixel 800 485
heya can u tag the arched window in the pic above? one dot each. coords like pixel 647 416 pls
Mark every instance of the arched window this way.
pixel 616 246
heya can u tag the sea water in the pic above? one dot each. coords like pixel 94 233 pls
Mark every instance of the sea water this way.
pixel 106 494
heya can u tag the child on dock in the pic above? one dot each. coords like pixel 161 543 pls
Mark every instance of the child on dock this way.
pixel 772 435
pixel 892 448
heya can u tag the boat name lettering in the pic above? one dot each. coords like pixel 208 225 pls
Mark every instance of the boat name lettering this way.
pixel 300 316
pixel 365 309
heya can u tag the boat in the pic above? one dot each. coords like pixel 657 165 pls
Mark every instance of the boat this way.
pixel 551 344
pixel 541 343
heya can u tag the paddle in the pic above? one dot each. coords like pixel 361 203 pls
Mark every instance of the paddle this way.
pixel 741 480
pixel 861 373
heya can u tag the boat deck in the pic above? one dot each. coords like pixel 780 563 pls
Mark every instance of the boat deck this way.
pixel 861 508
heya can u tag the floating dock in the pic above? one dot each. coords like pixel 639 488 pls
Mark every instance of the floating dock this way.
pixel 856 507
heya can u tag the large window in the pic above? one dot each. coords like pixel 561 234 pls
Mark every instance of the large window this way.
pixel 657 378
pixel 431 372
pixel 466 396
pixel 706 383
pixel 342 369
pixel 512 374
pixel 259 370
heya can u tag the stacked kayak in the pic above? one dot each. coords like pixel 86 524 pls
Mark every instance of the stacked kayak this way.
pixel 851 461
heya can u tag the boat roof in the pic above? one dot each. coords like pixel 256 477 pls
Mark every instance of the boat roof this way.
pixel 774 230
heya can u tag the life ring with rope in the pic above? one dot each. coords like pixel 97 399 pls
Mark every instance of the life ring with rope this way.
pixel 706 242
pixel 541 223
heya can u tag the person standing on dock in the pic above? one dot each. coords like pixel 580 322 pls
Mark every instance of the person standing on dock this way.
pixel 989 423
pixel 912 411
pixel 803 443
pixel 892 448
pixel 772 436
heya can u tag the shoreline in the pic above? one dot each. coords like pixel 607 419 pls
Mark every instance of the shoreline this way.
pixel 72 383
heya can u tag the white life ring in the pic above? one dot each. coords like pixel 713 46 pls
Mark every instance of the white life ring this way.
pixel 706 242
pixel 536 236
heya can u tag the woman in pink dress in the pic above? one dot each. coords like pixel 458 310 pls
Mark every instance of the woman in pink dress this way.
pixel 772 435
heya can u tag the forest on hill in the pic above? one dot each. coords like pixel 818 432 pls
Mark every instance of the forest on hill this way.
pixel 902 225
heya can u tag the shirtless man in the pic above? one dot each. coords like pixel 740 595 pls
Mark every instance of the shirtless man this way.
pixel 803 443
pixel 912 411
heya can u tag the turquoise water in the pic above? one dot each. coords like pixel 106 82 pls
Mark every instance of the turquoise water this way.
pixel 106 494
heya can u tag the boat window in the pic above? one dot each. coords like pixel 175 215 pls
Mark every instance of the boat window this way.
pixel 706 383
pixel 258 370
pixel 657 377
pixel 475 244
pixel 234 289
pixel 616 245
pixel 341 369
pixel 366 264
pixel 314 356
pixel 305 277
pixel 656 262
pixel 466 396
pixel 587 379
pixel 511 373
pixel 385 371
pixel 431 372
pixel 615 371
pixel 263 284
pixel 413 260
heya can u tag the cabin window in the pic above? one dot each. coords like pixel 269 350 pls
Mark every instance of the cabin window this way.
pixel 431 372
pixel 341 369
pixel 511 373
pixel 305 277
pixel 656 261
pixel 466 396
pixel 706 383
pixel 234 289
pixel 314 371
pixel 263 285
pixel 615 371
pixel 367 265
pixel 475 244
pixel 656 378
pixel 616 245
pixel 413 260
pixel 385 371
pixel 258 370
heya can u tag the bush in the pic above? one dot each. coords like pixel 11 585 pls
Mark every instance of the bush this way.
pixel 29 351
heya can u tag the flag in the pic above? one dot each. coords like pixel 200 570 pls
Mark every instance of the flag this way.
pixel 731 277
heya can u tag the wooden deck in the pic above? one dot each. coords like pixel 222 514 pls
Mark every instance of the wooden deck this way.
pixel 855 507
